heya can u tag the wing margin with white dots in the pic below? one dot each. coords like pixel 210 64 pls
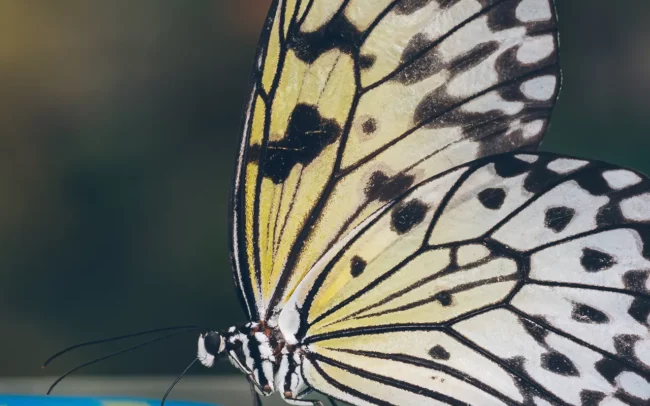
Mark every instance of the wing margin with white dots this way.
pixel 543 300
pixel 355 101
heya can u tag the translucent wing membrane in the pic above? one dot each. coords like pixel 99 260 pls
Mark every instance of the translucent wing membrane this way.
pixel 355 101
pixel 519 279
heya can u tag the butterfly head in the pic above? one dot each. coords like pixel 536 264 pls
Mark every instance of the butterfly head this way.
pixel 211 344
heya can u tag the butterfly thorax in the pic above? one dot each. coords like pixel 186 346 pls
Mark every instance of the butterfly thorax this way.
pixel 260 352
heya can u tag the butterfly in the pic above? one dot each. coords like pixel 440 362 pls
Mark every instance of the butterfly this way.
pixel 396 239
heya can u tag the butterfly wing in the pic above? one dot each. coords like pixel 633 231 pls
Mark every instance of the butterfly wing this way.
pixel 355 101
pixel 516 279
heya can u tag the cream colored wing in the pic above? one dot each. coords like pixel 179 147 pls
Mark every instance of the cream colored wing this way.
pixel 519 279
pixel 355 101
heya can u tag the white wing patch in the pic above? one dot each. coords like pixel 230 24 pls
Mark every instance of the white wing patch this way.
pixel 541 88
pixel 637 208
pixel 620 178
pixel 564 166
pixel 531 10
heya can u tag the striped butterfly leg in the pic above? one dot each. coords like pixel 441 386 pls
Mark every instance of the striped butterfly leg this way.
pixel 257 399
pixel 291 383
pixel 519 279
pixel 298 402
pixel 257 389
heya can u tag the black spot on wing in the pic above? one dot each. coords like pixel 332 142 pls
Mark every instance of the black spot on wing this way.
pixel 339 33
pixel 508 66
pixel 640 310
pixel 381 187
pixel 308 134
pixel 610 214
pixel 357 266
pixel 430 112
pixel 559 363
pixel 369 126
pixel 420 69
pixel 503 17
pixel 591 398
pixel 586 314
pixel 431 63
pixel 406 216
pixel 540 177
pixel 609 369
pixel 415 45
pixel 474 57
pixel 523 379
pixel 439 352
pixel 537 332
pixel 595 261
pixel 636 281
pixel 492 198
pixel 445 298
pixel 629 399
pixel 375 185
pixel 508 166
pixel 558 218
pixel 367 61
pixel 625 349
pixel 595 185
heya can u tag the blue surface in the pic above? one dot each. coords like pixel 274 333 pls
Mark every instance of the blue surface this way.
pixel 18 400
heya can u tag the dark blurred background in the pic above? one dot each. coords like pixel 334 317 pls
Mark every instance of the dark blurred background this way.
pixel 118 129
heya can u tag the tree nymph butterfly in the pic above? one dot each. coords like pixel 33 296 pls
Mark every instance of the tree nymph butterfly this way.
pixel 396 240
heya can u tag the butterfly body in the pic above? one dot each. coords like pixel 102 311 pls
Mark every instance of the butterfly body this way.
pixel 261 353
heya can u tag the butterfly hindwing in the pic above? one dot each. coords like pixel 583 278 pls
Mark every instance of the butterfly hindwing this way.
pixel 356 101
pixel 516 279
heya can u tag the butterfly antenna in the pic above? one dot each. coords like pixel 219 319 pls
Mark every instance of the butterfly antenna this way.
pixel 117 338
pixel 135 347
pixel 169 390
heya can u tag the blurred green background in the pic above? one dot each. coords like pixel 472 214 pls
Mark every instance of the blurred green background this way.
pixel 118 129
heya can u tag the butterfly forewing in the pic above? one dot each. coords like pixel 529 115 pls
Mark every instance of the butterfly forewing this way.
pixel 356 101
pixel 516 279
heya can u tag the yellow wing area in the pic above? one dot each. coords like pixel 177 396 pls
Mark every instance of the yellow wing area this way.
pixel 355 101
pixel 517 279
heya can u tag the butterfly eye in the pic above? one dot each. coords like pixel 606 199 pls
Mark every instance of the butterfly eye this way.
pixel 213 343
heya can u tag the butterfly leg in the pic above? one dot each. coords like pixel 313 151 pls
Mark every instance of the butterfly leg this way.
pixel 298 402
pixel 291 380
pixel 257 400
pixel 256 388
